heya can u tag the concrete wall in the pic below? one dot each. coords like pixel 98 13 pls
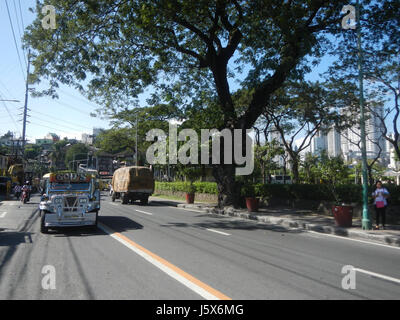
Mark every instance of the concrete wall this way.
pixel 198 197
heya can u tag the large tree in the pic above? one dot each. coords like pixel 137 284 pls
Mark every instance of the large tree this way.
pixel 297 112
pixel 57 154
pixel 181 49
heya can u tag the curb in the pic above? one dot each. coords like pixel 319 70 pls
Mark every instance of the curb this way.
pixel 293 223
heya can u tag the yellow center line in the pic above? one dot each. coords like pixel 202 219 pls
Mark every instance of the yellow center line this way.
pixel 166 264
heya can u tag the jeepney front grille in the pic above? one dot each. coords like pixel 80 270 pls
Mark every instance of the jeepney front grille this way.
pixel 71 203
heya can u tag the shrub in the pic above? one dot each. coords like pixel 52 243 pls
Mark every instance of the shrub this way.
pixel 348 193
pixel 201 187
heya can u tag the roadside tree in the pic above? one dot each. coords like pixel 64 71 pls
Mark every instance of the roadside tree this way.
pixel 114 51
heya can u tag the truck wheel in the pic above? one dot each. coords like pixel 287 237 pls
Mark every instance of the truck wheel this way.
pixel 144 201
pixel 125 199
pixel 43 229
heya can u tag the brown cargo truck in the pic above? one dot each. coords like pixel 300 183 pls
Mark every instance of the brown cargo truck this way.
pixel 132 183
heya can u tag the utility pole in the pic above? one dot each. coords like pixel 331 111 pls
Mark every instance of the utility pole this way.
pixel 136 140
pixel 26 103
pixel 366 222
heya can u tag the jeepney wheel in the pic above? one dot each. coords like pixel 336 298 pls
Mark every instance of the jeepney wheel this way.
pixel 95 222
pixel 43 229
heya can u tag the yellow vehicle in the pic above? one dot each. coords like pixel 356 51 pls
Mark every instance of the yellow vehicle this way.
pixel 16 172
pixel 132 183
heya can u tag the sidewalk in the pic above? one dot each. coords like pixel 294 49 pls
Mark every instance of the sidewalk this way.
pixel 301 219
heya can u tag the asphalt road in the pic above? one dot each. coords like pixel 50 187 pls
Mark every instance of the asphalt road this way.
pixel 162 252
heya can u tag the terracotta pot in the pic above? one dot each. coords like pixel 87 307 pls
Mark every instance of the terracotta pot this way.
pixel 189 198
pixel 343 216
pixel 252 204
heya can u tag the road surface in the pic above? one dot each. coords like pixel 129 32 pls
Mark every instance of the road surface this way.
pixel 163 252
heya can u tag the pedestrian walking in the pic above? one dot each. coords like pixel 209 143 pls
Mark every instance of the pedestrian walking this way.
pixel 17 190
pixel 380 196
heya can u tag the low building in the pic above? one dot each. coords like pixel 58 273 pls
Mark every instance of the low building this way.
pixel 44 142
pixel 53 137
pixel 3 164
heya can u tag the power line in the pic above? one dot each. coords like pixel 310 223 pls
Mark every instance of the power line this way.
pixel 5 88
pixel 70 107
pixel 19 31
pixel 61 125
pixel 55 118
pixel 20 12
pixel 46 126
pixel 88 102
pixel 15 40
pixel 9 113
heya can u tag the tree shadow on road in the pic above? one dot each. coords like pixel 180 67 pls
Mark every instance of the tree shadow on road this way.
pixel 120 223
pixel 12 238
pixel 220 223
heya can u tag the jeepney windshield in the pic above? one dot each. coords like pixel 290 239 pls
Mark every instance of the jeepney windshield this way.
pixel 57 186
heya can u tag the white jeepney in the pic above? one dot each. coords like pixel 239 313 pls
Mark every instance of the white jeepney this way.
pixel 69 199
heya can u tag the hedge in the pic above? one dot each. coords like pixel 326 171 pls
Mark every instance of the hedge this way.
pixel 201 187
pixel 349 193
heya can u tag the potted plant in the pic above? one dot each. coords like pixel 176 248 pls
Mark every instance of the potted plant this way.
pixel 191 174
pixel 190 190
pixel 252 202
pixel 333 171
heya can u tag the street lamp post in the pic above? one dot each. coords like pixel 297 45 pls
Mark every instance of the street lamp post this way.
pixel 78 154
pixel 366 222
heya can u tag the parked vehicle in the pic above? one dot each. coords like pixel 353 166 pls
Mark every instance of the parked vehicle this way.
pixel 281 179
pixel 133 183
pixel 69 199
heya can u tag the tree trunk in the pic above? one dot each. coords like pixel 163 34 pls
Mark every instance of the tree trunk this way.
pixel 264 178
pixel 228 188
pixel 295 170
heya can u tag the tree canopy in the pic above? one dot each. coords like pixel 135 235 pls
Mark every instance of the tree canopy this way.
pixel 183 51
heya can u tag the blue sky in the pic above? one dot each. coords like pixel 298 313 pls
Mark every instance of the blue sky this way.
pixel 68 116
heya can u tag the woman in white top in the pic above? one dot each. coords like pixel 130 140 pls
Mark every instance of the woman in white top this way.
pixel 380 195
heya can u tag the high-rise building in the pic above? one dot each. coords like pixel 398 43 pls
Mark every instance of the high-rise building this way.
pixel 275 135
pixel 334 143
pixel 319 143
pixel 375 142
pixel 347 143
